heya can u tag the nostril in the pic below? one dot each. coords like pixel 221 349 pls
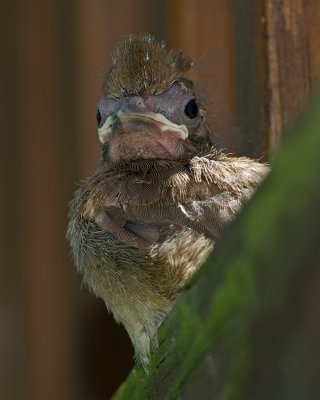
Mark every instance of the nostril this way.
pixel 140 103
pixel 131 104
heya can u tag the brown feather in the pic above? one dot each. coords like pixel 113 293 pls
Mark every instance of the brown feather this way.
pixel 152 68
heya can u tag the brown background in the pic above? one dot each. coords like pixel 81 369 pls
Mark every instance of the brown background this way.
pixel 56 340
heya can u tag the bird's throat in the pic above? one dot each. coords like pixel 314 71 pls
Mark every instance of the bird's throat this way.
pixel 137 145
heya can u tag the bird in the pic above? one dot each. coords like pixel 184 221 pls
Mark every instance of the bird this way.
pixel 148 216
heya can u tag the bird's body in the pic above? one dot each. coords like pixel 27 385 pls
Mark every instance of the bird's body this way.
pixel 154 208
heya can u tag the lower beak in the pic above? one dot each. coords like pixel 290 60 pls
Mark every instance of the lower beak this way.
pixel 146 122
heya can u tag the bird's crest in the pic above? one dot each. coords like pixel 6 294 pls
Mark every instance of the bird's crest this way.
pixel 143 66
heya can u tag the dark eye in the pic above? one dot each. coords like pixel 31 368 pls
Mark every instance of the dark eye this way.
pixel 99 117
pixel 191 109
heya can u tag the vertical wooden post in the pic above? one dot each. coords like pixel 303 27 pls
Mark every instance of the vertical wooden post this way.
pixel 10 317
pixel 44 92
pixel 36 277
pixel 279 66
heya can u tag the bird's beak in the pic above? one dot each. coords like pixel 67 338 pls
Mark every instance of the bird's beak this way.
pixel 144 122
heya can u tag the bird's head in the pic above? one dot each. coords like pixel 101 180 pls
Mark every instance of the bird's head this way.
pixel 149 109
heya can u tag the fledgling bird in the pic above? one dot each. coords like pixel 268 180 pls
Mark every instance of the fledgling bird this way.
pixel 155 206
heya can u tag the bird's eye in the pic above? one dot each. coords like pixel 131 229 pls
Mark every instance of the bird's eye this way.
pixel 99 117
pixel 191 109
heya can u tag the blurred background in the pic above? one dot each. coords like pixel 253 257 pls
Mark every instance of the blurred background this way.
pixel 56 340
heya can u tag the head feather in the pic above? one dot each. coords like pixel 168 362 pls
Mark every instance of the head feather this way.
pixel 142 66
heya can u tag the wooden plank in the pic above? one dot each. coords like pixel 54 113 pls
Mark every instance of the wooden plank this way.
pixel 288 65
pixel 312 26
pixel 279 66
pixel 10 318
pixel 43 91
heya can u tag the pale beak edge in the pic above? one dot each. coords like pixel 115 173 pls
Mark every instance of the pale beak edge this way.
pixel 160 120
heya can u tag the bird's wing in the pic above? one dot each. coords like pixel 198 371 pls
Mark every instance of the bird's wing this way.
pixel 203 196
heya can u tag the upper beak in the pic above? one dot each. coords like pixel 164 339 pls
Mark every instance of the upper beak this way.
pixel 147 122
